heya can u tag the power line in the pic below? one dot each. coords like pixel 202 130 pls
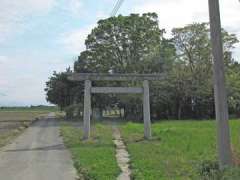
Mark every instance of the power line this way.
pixel 116 8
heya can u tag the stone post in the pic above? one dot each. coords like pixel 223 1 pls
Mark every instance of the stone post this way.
pixel 87 109
pixel 146 110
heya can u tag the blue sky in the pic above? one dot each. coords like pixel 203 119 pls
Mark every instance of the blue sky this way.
pixel 40 36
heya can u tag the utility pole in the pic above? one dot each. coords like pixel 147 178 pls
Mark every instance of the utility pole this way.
pixel 221 107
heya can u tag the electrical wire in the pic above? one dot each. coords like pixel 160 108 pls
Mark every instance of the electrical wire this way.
pixel 116 8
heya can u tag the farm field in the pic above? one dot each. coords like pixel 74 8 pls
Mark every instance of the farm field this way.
pixel 31 108
pixel 178 150
pixel 13 120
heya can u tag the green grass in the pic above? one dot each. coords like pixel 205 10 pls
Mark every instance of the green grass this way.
pixel 178 150
pixel 94 159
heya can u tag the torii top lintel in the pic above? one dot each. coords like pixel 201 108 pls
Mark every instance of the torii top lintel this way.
pixel 114 77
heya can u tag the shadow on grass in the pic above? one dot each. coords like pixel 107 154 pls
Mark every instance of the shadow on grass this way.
pixel 89 145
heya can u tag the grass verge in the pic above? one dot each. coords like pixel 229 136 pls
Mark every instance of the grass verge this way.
pixel 8 136
pixel 179 150
pixel 94 159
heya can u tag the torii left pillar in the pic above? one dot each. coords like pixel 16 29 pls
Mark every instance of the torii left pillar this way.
pixel 87 109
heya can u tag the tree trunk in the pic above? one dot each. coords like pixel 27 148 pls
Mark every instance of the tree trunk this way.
pixel 179 113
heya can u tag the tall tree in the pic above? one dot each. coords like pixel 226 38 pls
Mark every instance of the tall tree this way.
pixel 126 44
pixel 60 91
pixel 233 88
pixel 194 52
pixel 123 44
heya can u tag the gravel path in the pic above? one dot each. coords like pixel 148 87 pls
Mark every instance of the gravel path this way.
pixel 121 155
pixel 37 154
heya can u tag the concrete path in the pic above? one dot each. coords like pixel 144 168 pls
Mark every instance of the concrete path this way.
pixel 37 154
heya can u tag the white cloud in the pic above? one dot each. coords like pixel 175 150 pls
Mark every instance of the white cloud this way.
pixel 76 7
pixel 2 59
pixel 74 41
pixel 12 14
pixel 101 15
pixel 23 77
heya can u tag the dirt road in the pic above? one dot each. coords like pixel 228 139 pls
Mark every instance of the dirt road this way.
pixel 38 154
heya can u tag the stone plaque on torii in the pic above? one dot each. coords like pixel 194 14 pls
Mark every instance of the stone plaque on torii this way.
pixel 88 89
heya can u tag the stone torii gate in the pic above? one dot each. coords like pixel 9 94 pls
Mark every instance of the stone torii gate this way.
pixel 89 77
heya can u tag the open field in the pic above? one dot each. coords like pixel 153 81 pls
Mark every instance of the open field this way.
pixel 94 159
pixel 179 150
pixel 12 121
pixel 31 108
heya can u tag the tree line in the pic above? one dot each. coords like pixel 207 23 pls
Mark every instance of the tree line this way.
pixel 136 44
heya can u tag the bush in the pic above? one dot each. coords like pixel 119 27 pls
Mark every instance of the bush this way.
pixel 209 170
